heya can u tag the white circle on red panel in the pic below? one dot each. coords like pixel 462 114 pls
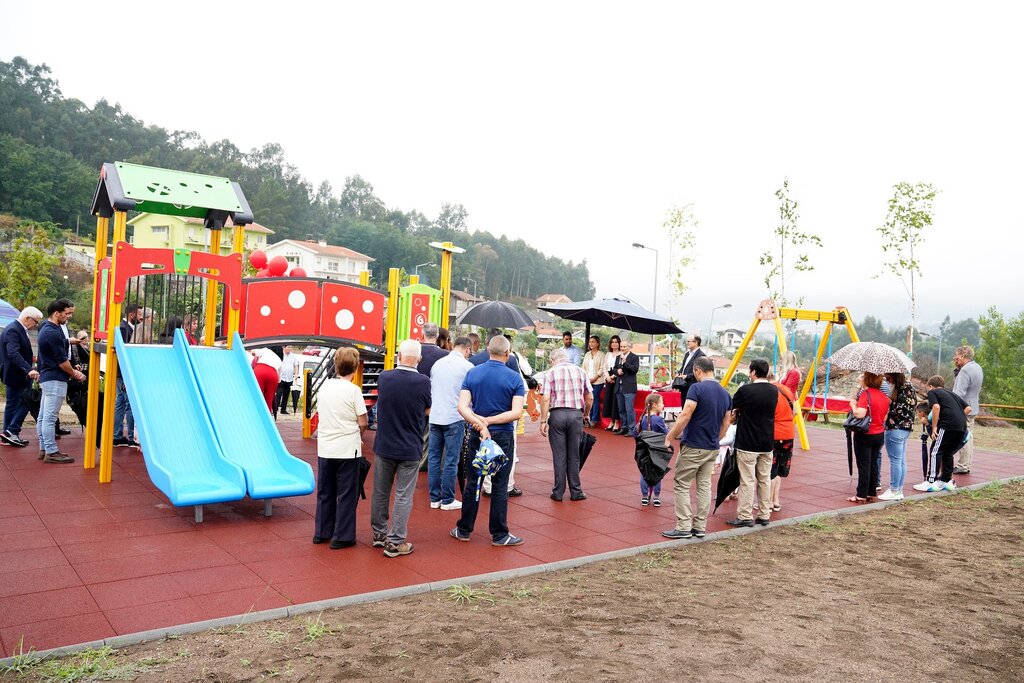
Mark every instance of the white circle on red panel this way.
pixel 423 308
pixel 367 306
pixel 296 299
pixel 264 311
pixel 334 299
pixel 344 320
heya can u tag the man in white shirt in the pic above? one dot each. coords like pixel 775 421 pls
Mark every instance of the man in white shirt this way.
pixel 286 375
pixel 447 428
pixel 571 352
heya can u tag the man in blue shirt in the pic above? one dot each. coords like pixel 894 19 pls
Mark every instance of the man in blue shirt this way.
pixel 17 373
pixel 54 371
pixel 447 427
pixel 491 401
pixel 403 400
pixel 706 417
pixel 480 358
pixel 572 353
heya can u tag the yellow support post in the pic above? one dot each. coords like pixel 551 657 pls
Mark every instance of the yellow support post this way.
pixel 364 278
pixel 307 424
pixel 93 391
pixel 391 323
pixel 812 371
pixel 113 323
pixel 234 313
pixel 738 356
pixel 211 295
pixel 414 280
pixel 446 281
pixel 798 414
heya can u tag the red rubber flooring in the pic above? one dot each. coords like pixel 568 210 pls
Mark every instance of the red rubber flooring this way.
pixel 80 561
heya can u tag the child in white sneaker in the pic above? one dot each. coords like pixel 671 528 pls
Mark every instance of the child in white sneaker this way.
pixel 652 421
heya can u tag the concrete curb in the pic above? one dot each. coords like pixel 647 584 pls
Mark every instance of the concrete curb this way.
pixel 437 586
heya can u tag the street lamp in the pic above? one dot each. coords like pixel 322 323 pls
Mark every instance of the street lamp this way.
pixel 430 264
pixel 654 308
pixel 938 362
pixel 711 329
pixel 469 279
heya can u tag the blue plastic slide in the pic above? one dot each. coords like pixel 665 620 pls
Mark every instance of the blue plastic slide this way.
pixel 243 424
pixel 181 451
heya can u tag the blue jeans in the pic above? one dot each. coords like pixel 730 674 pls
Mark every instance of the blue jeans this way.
pixel 595 410
pixel 122 410
pixel 54 393
pixel 499 488
pixel 626 412
pixel 443 460
pixel 646 490
pixel 896 447
pixel 15 410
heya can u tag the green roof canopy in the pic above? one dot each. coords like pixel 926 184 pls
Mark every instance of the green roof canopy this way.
pixel 130 187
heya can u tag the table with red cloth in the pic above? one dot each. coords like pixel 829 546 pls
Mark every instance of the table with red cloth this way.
pixel 673 403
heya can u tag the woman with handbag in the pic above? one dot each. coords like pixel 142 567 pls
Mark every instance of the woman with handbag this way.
pixel 339 450
pixel 609 406
pixel 868 413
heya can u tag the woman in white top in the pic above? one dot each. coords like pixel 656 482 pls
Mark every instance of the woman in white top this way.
pixel 595 369
pixel 609 407
pixel 339 446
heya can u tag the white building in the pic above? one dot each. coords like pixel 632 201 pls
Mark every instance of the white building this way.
pixel 320 259
pixel 731 338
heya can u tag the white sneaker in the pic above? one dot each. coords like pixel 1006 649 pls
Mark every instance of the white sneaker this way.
pixel 949 485
pixel 454 505
pixel 434 504
pixel 936 486
pixel 891 495
pixel 923 486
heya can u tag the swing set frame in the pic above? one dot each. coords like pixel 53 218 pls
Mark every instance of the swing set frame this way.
pixel 767 310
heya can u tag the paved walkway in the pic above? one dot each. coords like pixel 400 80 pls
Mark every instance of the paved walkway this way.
pixel 80 561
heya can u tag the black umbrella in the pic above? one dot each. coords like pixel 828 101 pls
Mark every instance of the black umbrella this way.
pixel 729 479
pixel 33 399
pixel 619 313
pixel 849 450
pixel 495 314
pixel 78 399
pixel 586 445
pixel 652 457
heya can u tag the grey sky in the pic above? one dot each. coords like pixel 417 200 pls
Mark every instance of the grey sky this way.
pixel 576 126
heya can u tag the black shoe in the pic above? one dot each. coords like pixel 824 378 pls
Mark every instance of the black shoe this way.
pixel 120 441
pixel 515 493
pixel 62 432
pixel 8 439
pixel 579 496
pixel 741 522
pixel 762 522
pixel 699 533
pixel 621 432
pixel 317 540
pixel 676 533
pixel 554 497
pixel 338 545
pixel 131 442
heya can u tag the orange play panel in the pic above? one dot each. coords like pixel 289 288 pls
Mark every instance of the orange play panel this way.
pixel 81 561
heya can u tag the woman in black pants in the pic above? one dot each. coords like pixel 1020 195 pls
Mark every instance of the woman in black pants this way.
pixel 609 407
pixel 867 445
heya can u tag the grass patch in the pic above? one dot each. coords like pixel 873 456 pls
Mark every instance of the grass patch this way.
pixel 275 636
pixel 467 595
pixel 984 493
pixel 820 523
pixel 21 662
pixel 88 665
pixel 316 629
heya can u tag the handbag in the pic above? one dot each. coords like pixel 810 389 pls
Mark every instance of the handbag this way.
pixel 678 383
pixel 859 424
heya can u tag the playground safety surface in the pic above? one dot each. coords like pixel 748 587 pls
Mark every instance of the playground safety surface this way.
pixel 80 561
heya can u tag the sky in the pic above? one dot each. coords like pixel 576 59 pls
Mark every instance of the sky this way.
pixel 577 126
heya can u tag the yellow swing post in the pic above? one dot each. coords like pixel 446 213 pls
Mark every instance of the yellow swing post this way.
pixel 93 390
pixel 210 333
pixel 391 322
pixel 113 323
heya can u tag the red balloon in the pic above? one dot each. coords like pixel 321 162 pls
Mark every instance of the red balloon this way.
pixel 263 273
pixel 298 272
pixel 277 266
pixel 258 259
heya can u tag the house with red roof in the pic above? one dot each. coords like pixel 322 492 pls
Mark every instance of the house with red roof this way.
pixel 320 259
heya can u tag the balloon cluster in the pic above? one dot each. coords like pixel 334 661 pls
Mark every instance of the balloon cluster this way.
pixel 275 267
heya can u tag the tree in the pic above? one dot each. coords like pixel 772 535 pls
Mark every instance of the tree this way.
pixel 28 268
pixel 452 218
pixel 910 212
pixel 1001 355
pixel 681 226
pixel 787 235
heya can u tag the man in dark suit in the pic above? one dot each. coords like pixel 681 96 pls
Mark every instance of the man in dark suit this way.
pixel 693 352
pixel 625 370
pixel 16 370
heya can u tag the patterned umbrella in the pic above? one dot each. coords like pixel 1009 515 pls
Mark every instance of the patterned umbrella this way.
pixel 489 460
pixel 871 357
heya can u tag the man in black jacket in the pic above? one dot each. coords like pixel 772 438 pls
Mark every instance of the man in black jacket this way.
pixel 693 352
pixel 122 408
pixel 625 370
pixel 17 373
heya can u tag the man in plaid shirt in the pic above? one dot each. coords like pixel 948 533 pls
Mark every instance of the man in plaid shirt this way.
pixel 566 397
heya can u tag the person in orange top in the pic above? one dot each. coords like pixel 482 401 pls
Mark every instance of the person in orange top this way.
pixel 782 449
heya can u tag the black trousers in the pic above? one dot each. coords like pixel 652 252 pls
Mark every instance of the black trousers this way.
pixel 337 494
pixel 940 457
pixel 281 397
pixel 867 449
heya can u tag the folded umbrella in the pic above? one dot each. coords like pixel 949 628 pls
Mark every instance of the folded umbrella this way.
pixel 652 457
pixel 586 445
pixel 729 479
pixel 871 357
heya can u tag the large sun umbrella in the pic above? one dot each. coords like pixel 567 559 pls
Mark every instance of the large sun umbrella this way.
pixel 619 313
pixel 729 479
pixel 495 314
pixel 871 357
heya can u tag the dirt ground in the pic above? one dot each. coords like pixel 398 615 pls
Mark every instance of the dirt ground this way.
pixel 923 591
